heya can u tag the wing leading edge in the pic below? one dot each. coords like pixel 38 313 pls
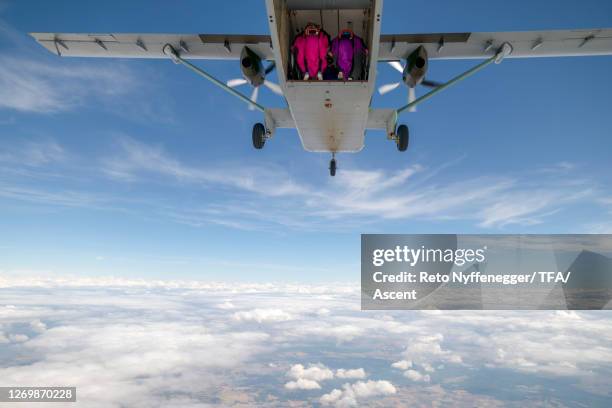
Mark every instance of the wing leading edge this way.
pixel 524 44
pixel 191 46
pixel 392 46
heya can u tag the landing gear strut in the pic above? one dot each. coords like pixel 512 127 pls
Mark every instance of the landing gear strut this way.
pixel 402 137
pixel 259 136
pixel 332 165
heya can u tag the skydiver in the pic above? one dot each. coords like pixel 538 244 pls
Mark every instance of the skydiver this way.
pixel 311 50
pixel 349 52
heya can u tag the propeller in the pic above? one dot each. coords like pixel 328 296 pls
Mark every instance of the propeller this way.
pixel 232 83
pixel 274 87
pixel 397 65
pixel 386 88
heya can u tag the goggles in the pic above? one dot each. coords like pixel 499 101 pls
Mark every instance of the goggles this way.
pixel 346 33
pixel 311 29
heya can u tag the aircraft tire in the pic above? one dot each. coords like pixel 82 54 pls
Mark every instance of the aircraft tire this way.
pixel 259 136
pixel 332 167
pixel 402 138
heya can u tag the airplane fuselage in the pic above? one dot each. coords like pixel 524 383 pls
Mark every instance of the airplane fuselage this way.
pixel 330 116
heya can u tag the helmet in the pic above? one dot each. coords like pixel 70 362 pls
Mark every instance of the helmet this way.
pixel 312 29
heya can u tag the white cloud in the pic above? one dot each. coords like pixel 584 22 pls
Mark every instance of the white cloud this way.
pixel 426 349
pixel 402 364
pixel 352 394
pixel 139 356
pixel 32 80
pixel 309 378
pixel 333 397
pixel 302 384
pixel 30 85
pixel 323 311
pixel 64 198
pixel 490 201
pixel 151 339
pixel 18 338
pixel 355 197
pixel 227 305
pixel 428 367
pixel 357 373
pixel 38 326
pixel 32 153
pixel 136 159
pixel 12 279
pixel 263 315
pixel 314 372
pixel 542 342
pixel 416 376
pixel 342 332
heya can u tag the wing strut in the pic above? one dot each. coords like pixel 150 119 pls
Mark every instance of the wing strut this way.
pixel 171 52
pixel 502 52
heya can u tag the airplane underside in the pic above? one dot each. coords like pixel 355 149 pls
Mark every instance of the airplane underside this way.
pixel 330 116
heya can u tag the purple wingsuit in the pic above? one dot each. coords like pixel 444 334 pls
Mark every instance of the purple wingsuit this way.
pixel 344 50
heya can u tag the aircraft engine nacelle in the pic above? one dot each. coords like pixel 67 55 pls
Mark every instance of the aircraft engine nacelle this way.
pixel 252 67
pixel 416 67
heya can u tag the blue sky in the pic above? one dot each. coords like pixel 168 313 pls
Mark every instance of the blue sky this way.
pixel 141 169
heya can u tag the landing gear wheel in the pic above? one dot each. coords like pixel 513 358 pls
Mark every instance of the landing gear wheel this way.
pixel 402 138
pixel 332 167
pixel 259 136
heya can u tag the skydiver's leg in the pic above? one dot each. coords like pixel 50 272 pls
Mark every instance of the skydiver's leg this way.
pixel 358 65
pixel 312 67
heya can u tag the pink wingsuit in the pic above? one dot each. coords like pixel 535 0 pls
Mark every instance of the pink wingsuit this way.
pixel 311 52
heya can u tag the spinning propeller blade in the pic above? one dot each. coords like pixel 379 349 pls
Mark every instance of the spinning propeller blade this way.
pixel 383 89
pixel 273 87
pixel 232 83
pixel 397 65
pixel 256 79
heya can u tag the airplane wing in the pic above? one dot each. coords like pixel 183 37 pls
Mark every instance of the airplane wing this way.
pixel 191 46
pixel 483 45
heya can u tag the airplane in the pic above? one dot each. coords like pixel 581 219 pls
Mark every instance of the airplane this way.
pixel 332 116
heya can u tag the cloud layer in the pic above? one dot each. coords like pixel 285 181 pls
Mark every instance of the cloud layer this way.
pixel 191 343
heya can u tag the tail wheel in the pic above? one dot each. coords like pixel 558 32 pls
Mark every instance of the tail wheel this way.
pixel 402 138
pixel 332 167
pixel 259 136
